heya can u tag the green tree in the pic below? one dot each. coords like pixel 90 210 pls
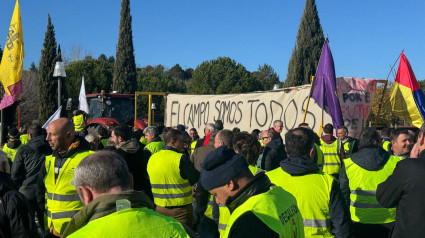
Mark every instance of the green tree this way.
pixel 267 76
pixel 220 76
pixel 33 67
pixel 98 74
pixel 177 72
pixel 125 75
pixel 47 88
pixel 385 117
pixel 306 53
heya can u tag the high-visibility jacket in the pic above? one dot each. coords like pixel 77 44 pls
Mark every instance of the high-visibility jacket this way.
pixel 155 146
pixel 364 207
pixel 169 189
pixel 332 162
pixel 24 139
pixel 276 208
pixel 133 222
pixel 312 192
pixel 192 147
pixel 348 148
pixel 143 140
pixel 104 142
pixel 386 145
pixel 319 156
pixel 62 198
pixel 79 122
pixel 11 152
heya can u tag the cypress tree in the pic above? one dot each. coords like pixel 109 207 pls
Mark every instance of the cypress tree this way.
pixel 47 85
pixel 125 75
pixel 308 47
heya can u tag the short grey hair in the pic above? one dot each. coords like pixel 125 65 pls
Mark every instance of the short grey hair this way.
pixel 277 122
pixel 151 130
pixel 102 171
pixel 210 127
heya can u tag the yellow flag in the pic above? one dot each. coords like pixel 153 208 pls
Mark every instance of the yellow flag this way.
pixel 13 55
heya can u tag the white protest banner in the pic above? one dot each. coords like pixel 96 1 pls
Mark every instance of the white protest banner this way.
pixel 246 111
pixel 356 97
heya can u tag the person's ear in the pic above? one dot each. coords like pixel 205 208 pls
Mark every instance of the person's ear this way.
pixel 421 138
pixel 312 153
pixel 232 185
pixel 86 194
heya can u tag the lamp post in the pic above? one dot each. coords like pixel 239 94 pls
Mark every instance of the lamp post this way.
pixel 59 72
pixel 153 107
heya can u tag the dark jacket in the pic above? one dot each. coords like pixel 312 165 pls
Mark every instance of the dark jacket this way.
pixel 368 158
pixel 274 153
pixel 405 190
pixel 27 164
pixel 16 216
pixel 137 161
pixel 79 145
pixel 249 225
pixel 14 144
pixel 339 212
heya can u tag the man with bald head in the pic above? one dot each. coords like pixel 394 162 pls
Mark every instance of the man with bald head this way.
pixel 57 173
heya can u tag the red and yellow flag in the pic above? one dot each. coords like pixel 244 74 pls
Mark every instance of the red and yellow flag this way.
pixel 12 61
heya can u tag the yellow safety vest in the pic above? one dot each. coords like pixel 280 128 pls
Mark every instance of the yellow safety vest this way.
pixel 192 147
pixel 276 208
pixel 386 146
pixel 348 148
pixel 24 139
pixel 319 156
pixel 312 192
pixel 104 142
pixel 364 207
pixel 62 198
pixel 132 223
pixel 332 162
pixel 143 140
pixel 11 153
pixel 169 189
pixel 79 122
pixel 154 147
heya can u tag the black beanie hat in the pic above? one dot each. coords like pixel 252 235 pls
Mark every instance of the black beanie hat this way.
pixel 13 133
pixel 220 166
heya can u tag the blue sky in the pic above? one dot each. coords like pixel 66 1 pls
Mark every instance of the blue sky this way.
pixel 365 36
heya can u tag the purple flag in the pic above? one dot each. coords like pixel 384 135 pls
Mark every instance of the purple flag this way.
pixel 324 87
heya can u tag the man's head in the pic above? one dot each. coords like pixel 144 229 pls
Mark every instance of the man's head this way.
pixel 304 125
pixel 193 133
pixel 101 173
pixel 102 132
pixel 224 173
pixel 386 132
pixel 13 133
pixel 219 125
pixel 267 136
pixel 137 134
pixel 224 137
pixel 369 137
pixel 34 131
pixel 209 128
pixel 400 141
pixel 174 138
pixel 248 146
pixel 328 129
pixel 121 134
pixel 342 133
pixel 278 126
pixel 60 134
pixel 300 143
pixel 151 132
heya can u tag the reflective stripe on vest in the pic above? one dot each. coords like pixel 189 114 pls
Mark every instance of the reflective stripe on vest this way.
pixel 168 187
pixel 312 192
pixel 276 208
pixel 62 198
pixel 364 206
pixel 332 162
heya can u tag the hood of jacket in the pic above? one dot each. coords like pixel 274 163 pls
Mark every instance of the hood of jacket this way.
pixel 298 166
pixel 40 145
pixel 328 139
pixel 105 205
pixel 130 146
pixel 274 143
pixel 6 184
pixel 370 158
pixel 259 184
pixel 14 144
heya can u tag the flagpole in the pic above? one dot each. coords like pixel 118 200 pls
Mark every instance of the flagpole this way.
pixel 308 100
pixel 385 87
pixel 19 112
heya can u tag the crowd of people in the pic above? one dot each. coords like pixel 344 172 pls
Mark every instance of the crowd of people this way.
pixel 169 182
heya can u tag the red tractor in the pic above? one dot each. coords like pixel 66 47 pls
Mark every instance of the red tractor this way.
pixel 110 110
